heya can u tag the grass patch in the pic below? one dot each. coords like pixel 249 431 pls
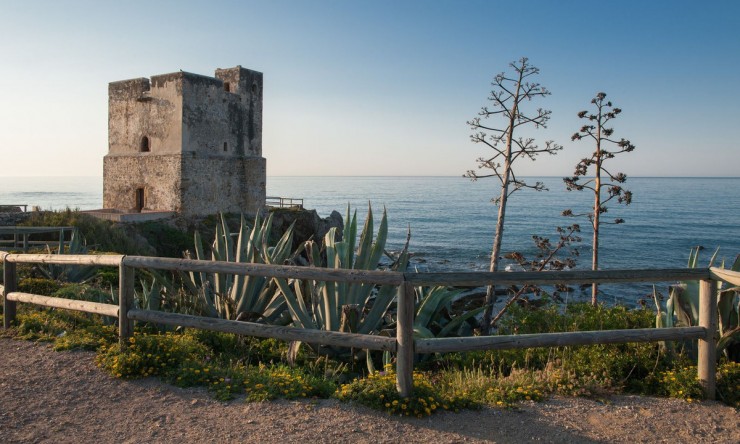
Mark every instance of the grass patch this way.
pixel 229 365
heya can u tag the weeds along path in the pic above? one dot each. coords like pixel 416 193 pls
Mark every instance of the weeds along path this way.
pixel 62 397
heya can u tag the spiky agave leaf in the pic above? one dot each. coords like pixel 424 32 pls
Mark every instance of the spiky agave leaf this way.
pixel 454 325
pixel 429 307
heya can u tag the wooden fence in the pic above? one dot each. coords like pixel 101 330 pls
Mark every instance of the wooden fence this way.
pixel 21 236
pixel 13 208
pixel 404 344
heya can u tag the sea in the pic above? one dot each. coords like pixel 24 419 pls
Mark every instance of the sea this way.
pixel 452 219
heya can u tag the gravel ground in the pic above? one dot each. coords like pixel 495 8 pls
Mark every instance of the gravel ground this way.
pixel 50 397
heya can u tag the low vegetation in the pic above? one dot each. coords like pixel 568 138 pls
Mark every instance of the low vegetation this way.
pixel 232 366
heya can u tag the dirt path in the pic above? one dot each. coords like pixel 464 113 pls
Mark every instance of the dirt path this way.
pixel 63 398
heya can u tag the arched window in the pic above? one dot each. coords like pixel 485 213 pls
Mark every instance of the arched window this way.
pixel 145 146
pixel 227 87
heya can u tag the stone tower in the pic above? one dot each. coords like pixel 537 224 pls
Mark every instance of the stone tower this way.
pixel 186 143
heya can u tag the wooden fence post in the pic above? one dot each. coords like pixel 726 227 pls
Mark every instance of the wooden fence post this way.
pixel 125 302
pixel 707 361
pixel 10 284
pixel 405 339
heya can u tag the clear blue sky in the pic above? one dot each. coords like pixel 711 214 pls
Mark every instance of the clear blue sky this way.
pixel 381 87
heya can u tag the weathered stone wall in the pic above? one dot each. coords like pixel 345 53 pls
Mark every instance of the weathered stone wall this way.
pixel 217 122
pixel 219 184
pixel 138 109
pixel 247 85
pixel 159 176
pixel 208 116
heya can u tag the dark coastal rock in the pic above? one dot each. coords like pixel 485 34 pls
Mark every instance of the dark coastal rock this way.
pixel 9 219
pixel 308 224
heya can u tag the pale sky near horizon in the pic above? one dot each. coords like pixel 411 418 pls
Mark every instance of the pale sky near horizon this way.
pixel 381 87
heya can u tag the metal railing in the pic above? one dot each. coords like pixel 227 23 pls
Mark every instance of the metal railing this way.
pixel 283 202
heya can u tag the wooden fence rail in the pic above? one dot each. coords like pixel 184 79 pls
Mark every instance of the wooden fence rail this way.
pixel 14 208
pixel 21 236
pixel 404 344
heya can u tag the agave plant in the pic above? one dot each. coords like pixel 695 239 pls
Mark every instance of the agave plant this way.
pixel 228 296
pixel 68 273
pixel 342 306
pixel 682 307
pixel 434 316
pixel 150 297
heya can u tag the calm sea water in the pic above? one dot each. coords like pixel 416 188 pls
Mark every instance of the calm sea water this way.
pixel 452 220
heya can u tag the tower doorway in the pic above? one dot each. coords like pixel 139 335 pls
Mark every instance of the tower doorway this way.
pixel 140 200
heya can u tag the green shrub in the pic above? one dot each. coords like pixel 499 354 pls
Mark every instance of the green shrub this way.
pixel 270 382
pixel 615 365
pixel 580 370
pixel 554 318
pixel 728 383
pixel 47 324
pixel 681 383
pixel 106 277
pixel 151 355
pixel 42 286
pixel 166 240
pixel 84 292
pixel 185 361
pixel 39 325
pixel 91 338
pixel 378 391
pixel 100 235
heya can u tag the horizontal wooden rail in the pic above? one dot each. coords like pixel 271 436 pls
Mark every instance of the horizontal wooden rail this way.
pixel 103 260
pixel 721 274
pixel 34 230
pixel 445 345
pixel 69 304
pixel 280 271
pixel 349 340
pixel 49 243
pixel 6 206
pixel 474 279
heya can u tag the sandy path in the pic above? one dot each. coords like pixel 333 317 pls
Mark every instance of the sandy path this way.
pixel 62 397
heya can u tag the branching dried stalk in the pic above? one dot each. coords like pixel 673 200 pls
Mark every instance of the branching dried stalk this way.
pixel 547 259
pixel 508 94
pixel 603 178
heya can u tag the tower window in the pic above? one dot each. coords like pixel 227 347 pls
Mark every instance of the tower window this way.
pixel 226 146
pixel 227 87
pixel 254 88
pixel 145 145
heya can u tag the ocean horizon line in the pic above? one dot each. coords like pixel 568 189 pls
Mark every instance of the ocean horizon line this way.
pixel 390 175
